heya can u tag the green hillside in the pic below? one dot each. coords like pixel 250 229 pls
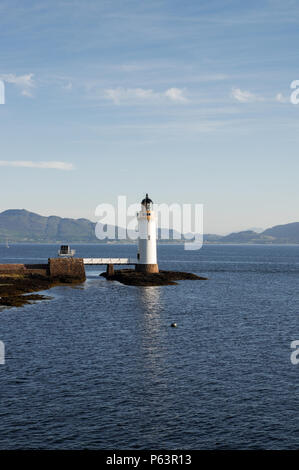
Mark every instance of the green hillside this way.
pixel 20 225
pixel 24 226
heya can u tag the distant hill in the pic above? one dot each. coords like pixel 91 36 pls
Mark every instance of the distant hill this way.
pixel 211 238
pixel 240 237
pixel 24 226
pixel 288 233
pixel 20 225
pixel 247 236
pixel 284 234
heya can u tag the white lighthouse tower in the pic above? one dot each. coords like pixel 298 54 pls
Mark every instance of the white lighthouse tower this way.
pixel 147 243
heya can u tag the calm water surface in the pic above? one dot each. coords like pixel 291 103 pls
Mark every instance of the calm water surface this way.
pixel 99 366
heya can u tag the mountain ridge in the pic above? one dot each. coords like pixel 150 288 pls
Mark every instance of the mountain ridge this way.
pixel 21 225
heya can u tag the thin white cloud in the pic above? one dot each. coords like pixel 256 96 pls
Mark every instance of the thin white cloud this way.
pixel 118 95
pixel 176 94
pixel 68 86
pixel 128 94
pixel 244 96
pixel 26 93
pixel 21 80
pixel 43 165
pixel 24 82
pixel 281 99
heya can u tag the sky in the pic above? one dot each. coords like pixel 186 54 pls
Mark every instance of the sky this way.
pixel 188 101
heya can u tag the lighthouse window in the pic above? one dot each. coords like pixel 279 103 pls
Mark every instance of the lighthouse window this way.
pixel 149 237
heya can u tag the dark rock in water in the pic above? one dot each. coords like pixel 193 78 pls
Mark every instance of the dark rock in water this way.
pixel 19 279
pixel 14 288
pixel 130 277
pixel 20 300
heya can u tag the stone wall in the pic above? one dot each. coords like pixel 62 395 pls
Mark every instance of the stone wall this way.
pixel 57 269
pixel 66 269
pixel 37 269
pixel 12 269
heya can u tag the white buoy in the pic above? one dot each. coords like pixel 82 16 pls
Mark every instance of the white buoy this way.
pixel 147 238
pixel 174 325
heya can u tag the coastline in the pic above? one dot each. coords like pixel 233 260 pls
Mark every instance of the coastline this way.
pixel 41 243
pixel 18 290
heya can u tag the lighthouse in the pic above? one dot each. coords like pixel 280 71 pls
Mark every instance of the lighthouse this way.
pixel 147 242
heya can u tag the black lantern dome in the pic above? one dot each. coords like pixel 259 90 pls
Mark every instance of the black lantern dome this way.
pixel 146 201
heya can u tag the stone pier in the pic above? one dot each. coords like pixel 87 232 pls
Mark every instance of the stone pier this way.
pixel 57 269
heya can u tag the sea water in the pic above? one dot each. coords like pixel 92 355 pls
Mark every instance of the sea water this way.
pixel 100 367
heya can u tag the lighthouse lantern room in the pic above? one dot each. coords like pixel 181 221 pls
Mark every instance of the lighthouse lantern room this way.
pixel 147 243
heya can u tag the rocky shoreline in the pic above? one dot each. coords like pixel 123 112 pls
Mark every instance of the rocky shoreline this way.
pixel 19 283
pixel 17 290
pixel 130 277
